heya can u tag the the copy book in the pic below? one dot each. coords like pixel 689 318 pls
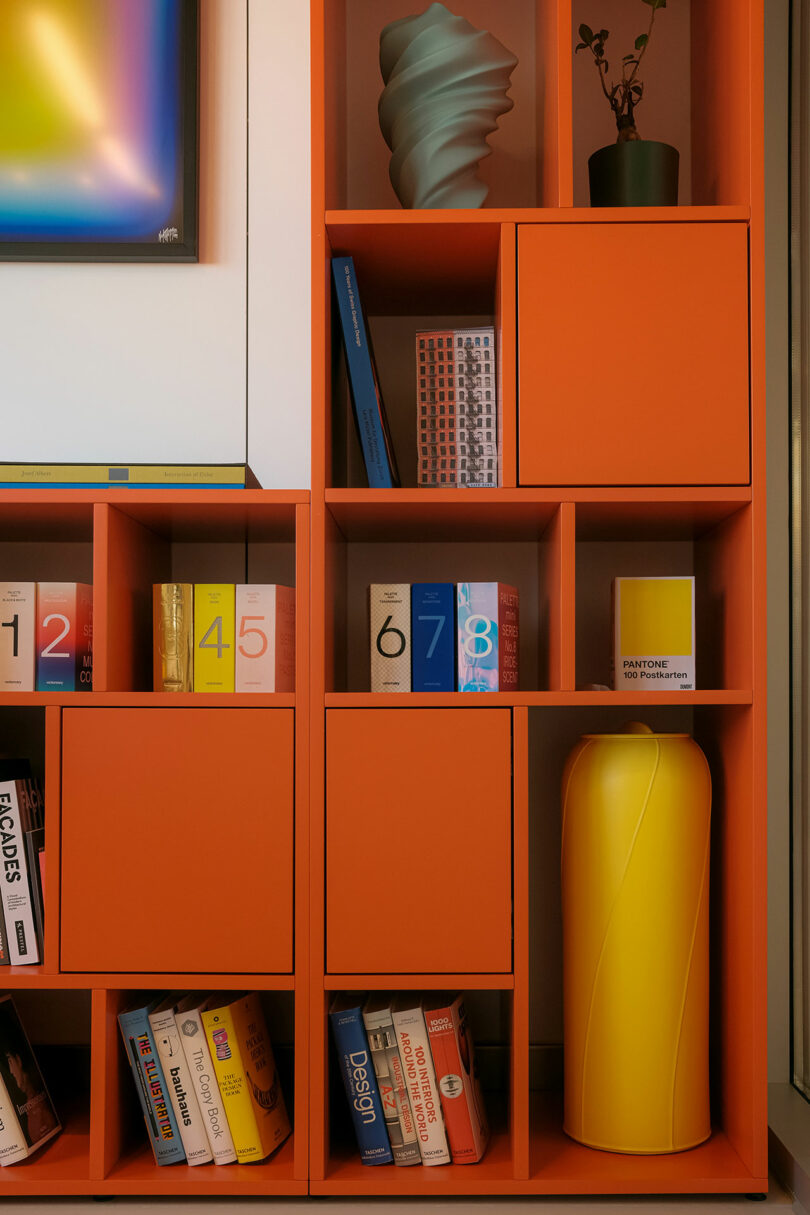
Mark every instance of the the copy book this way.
pixel 27 1116
pixel 247 1076
pixel 179 1085
pixel 451 1046
pixel 147 1073
pixel 359 1079
pixel 188 1016
pixel 369 410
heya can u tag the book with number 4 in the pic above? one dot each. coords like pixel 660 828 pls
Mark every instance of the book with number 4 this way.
pixel 214 636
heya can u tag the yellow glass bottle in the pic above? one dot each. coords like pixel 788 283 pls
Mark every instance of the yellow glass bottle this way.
pixel 635 901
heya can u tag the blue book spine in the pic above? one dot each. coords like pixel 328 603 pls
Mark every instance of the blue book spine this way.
pixel 362 378
pixel 148 1075
pixel 360 1082
pixel 433 637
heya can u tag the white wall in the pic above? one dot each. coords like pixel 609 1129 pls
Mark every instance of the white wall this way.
pixel 152 363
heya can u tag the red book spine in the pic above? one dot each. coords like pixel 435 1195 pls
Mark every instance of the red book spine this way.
pixel 467 1140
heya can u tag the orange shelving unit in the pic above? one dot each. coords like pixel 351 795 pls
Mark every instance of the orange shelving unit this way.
pixel 630 344
pixel 125 771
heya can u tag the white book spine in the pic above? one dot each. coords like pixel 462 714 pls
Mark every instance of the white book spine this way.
pixel 390 636
pixel 17 617
pixel 16 893
pixel 180 1087
pixel 198 1058
pixel 417 1064
pixel 13 1146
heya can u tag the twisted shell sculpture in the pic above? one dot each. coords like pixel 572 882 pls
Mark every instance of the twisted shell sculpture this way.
pixel 445 88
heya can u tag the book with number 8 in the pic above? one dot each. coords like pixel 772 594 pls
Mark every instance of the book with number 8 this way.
pixel 488 636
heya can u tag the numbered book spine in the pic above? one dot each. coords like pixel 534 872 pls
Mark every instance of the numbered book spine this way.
pixel 359 1081
pixel 390 636
pixel 417 1064
pixel 214 637
pixel 64 637
pixel 247 1077
pixel 17 617
pixel 16 892
pixel 382 1041
pixel 453 1054
pixel 433 637
pixel 179 1086
pixel 173 636
pixel 265 638
pixel 204 1080
pixel 488 637
pixel 145 1065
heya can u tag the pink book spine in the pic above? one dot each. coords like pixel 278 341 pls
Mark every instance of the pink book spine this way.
pixel 265 638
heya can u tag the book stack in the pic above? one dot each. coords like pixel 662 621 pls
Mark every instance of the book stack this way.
pixel 22 843
pixel 27 1116
pixel 206 1078
pixel 222 637
pixel 46 637
pixel 444 637
pixel 408 1069
pixel 457 408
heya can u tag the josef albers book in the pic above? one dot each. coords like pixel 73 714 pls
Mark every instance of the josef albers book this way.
pixel 382 1040
pixel 14 884
pixel 417 1064
pixel 246 1073
pixel 179 1084
pixel 359 1079
pixel 149 1083
pixel 369 410
pixel 27 1117
pixel 188 1016
pixel 453 1053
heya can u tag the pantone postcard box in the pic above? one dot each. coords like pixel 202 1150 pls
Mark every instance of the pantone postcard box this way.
pixel 654 633
pixel 64 637
pixel 488 637
pixel 17 613
pixel 265 638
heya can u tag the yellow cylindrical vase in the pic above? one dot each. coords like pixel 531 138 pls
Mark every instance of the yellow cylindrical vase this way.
pixel 635 901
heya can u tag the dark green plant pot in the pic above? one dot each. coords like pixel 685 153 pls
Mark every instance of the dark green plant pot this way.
pixel 639 173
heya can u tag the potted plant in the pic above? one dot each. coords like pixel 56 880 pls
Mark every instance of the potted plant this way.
pixel 632 171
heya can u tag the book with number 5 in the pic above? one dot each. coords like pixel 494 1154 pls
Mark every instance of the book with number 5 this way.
pixel 390 636
pixel 214 636
pixel 265 638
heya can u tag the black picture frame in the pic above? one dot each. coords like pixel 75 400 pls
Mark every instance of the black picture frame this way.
pixel 183 248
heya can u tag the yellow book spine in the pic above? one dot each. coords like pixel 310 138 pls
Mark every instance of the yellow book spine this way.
pixel 227 1059
pixel 214 637
pixel 264 1086
pixel 172 636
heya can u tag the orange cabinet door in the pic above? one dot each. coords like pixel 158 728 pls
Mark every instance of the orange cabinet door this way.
pixel 418 841
pixel 177 840
pixel 633 354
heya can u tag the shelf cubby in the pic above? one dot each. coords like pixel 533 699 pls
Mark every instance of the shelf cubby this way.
pixel 123 1159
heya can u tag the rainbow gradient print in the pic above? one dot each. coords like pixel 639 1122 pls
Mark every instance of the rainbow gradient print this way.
pixel 91 120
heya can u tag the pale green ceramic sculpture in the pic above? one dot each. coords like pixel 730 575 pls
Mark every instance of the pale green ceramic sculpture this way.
pixel 445 88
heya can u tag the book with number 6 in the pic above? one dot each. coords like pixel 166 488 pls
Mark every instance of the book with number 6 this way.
pixel 390 636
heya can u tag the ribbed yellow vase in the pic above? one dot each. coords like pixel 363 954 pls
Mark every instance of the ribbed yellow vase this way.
pixel 635 901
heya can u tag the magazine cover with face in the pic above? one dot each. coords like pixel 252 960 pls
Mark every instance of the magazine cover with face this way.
pixel 23 1080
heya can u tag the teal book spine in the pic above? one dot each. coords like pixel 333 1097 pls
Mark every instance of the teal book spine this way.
pixel 148 1075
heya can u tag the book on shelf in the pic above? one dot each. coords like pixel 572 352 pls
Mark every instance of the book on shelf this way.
pixel 64 637
pixel 147 1073
pixel 382 1041
pixel 17 636
pixel 214 636
pixel 364 388
pixel 173 637
pixel 390 636
pixel 453 1052
pixel 420 1078
pixel 15 886
pixel 433 637
pixel 178 1082
pixel 265 638
pixel 188 1016
pixel 123 476
pixel 28 1119
pixel 246 1073
pixel 359 1078
pixel 35 859
pixel 458 428
pixel 488 637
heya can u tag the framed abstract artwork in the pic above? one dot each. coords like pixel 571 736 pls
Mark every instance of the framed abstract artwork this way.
pixel 98 130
